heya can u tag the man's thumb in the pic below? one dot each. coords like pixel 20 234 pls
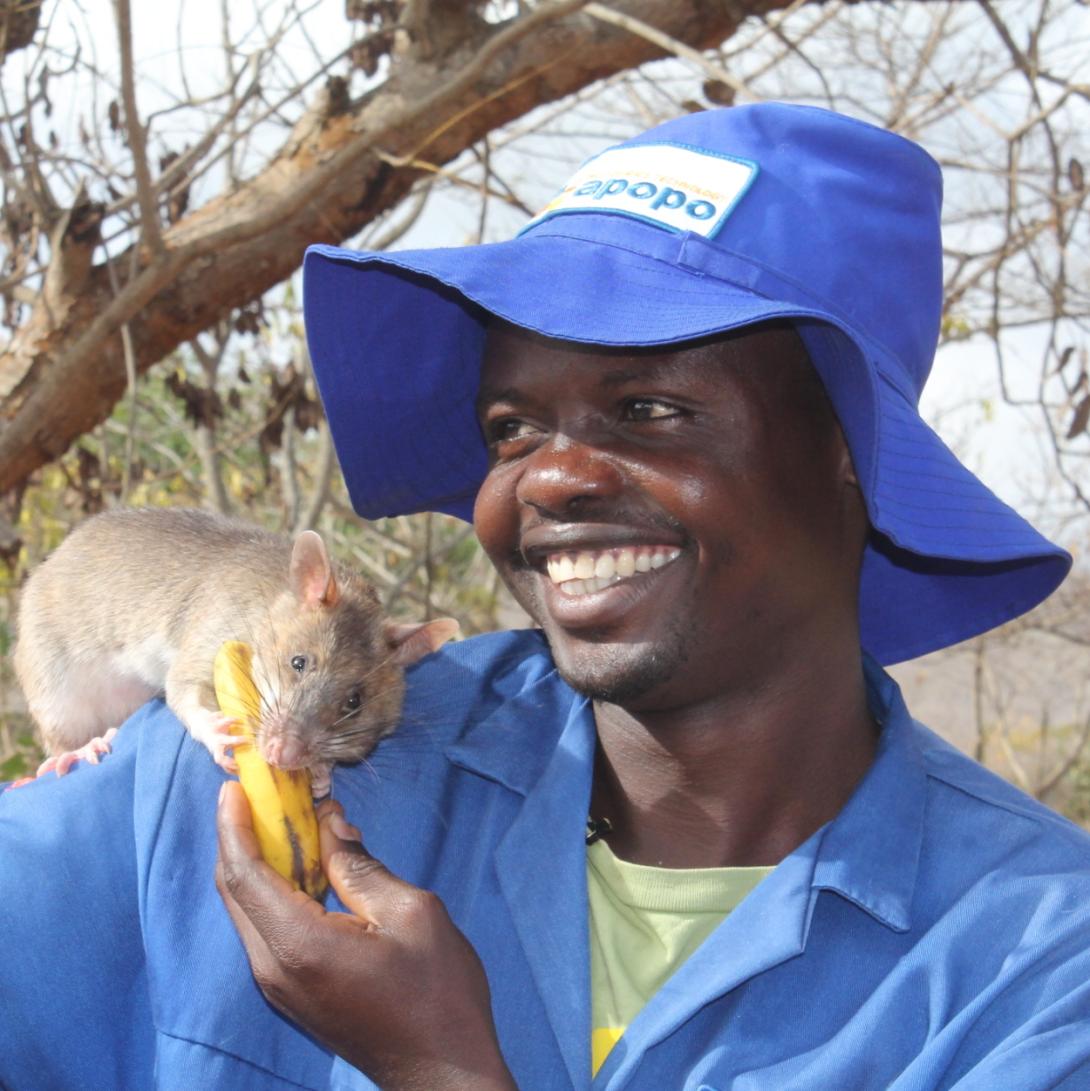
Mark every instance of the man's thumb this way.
pixel 357 877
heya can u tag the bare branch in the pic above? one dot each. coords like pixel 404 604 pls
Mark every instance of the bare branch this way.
pixel 149 211
pixel 319 495
pixel 668 44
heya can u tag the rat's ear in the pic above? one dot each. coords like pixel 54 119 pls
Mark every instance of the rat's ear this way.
pixel 412 642
pixel 311 575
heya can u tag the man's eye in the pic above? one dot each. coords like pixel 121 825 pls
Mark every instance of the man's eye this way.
pixel 649 409
pixel 508 429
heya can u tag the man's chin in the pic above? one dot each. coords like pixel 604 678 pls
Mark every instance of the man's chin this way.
pixel 615 677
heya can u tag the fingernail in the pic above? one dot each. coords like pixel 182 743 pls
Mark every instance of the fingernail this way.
pixel 342 829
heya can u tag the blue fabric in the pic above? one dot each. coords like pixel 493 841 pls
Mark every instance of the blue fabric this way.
pixel 936 934
pixel 838 232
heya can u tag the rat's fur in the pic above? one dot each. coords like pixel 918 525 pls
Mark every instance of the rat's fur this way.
pixel 135 603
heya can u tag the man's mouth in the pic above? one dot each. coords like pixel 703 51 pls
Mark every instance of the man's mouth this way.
pixel 582 572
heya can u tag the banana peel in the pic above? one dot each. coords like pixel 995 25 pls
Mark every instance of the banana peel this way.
pixel 280 799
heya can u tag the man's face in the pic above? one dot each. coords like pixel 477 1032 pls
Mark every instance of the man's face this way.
pixel 677 522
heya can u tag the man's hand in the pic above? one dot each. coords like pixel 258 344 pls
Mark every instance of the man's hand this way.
pixel 392 987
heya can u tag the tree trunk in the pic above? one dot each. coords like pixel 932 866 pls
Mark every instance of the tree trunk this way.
pixel 18 24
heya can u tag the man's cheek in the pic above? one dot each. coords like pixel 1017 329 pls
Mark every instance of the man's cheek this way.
pixel 488 522
pixel 525 590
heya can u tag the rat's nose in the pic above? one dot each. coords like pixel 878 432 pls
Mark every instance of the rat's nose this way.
pixel 284 751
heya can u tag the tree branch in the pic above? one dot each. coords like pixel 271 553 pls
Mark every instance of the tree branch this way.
pixel 18 23
pixel 63 371
pixel 145 192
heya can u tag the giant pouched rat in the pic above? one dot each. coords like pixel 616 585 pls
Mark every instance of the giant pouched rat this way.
pixel 136 602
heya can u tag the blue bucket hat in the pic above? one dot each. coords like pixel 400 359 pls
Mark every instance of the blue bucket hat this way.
pixel 708 223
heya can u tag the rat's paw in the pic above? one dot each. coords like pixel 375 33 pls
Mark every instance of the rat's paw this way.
pixel 90 752
pixel 221 745
pixel 221 755
pixel 215 732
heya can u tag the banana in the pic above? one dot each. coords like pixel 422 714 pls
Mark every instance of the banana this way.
pixel 280 799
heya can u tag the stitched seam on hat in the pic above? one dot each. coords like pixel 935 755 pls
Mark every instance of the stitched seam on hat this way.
pixel 869 341
pixel 908 398
pixel 806 292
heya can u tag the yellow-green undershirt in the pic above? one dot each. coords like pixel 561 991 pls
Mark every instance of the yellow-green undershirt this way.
pixel 644 923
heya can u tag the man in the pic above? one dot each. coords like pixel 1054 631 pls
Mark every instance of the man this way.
pixel 682 409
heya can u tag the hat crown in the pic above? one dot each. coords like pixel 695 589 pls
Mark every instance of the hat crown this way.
pixel 848 213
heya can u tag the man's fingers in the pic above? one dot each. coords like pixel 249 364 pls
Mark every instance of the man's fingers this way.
pixel 256 948
pixel 360 881
pixel 265 900
pixel 237 846
pixel 236 817
pixel 331 815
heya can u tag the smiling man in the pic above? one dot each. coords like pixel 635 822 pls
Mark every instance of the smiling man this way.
pixel 686 527
pixel 684 834
pixel 682 409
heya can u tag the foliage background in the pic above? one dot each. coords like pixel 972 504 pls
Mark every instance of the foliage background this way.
pixel 129 140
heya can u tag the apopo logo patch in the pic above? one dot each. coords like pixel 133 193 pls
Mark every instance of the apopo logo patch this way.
pixel 670 185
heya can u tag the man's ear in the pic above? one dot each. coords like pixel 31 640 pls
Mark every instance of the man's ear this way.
pixel 845 465
pixel 854 504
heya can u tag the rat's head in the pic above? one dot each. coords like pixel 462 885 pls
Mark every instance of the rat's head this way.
pixel 329 666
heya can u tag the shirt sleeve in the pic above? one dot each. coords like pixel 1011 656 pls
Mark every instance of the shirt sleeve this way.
pixel 1040 1025
pixel 72 974
pixel 120 966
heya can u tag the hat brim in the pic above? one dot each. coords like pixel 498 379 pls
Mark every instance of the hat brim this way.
pixel 396 342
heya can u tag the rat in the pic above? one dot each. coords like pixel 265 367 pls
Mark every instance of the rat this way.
pixel 135 603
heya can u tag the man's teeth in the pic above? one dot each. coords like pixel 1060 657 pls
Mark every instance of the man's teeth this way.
pixel 584 572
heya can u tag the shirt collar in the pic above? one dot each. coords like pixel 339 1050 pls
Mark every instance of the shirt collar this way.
pixel 512 742
pixel 870 852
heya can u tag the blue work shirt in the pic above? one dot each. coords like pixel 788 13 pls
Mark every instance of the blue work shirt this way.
pixel 936 934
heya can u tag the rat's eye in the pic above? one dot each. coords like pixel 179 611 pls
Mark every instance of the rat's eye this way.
pixel 353 701
pixel 299 663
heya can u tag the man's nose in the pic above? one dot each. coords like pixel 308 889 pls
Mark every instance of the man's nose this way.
pixel 566 472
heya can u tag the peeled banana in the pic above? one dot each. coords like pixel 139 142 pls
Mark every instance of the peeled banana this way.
pixel 280 799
